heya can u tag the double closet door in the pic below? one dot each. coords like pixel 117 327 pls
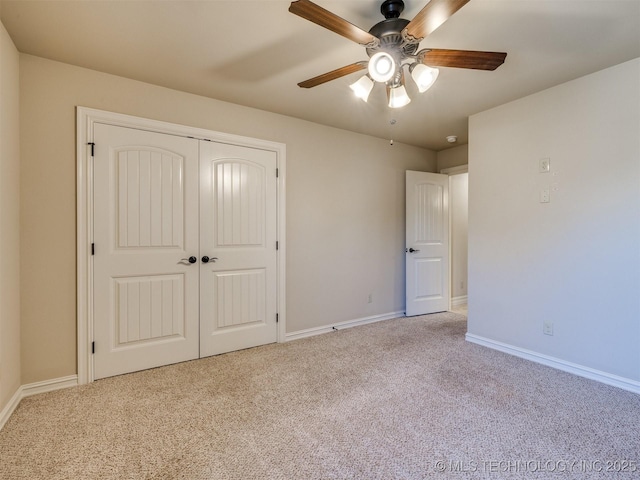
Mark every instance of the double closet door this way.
pixel 184 262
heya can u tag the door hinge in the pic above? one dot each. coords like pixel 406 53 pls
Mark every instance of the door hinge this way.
pixel 277 317
pixel 93 249
pixel 93 347
pixel 92 147
pixel 277 245
pixel 277 172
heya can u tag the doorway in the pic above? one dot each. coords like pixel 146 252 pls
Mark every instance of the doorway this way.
pixel 458 211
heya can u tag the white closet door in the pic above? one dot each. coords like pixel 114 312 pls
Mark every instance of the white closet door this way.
pixel 145 229
pixel 238 232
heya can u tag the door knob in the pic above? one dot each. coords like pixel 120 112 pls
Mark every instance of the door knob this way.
pixel 413 250
pixel 193 259
pixel 206 259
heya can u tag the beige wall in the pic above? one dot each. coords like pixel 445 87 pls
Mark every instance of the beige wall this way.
pixel 9 220
pixel 574 262
pixel 453 157
pixel 345 205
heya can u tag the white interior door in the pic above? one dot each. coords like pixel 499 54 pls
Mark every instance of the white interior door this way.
pixel 238 234
pixel 427 248
pixel 145 300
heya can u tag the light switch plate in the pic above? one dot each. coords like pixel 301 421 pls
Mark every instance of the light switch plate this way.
pixel 544 165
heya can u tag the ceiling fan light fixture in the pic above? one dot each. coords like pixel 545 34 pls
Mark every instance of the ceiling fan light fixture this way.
pixel 398 97
pixel 382 67
pixel 362 88
pixel 424 76
pixel 393 44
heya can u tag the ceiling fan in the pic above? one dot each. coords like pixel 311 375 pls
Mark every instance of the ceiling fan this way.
pixel 393 44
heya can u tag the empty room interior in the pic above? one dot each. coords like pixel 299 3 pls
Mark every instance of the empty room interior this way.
pixel 308 240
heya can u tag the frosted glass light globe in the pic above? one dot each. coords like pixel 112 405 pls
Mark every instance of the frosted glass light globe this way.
pixel 382 67
pixel 362 88
pixel 424 76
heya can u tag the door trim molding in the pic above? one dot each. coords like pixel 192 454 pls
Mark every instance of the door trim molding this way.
pixel 86 118
pixel 455 170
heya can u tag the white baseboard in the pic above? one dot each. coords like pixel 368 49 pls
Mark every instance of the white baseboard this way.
pixel 457 301
pixel 49 385
pixel 34 389
pixel 339 326
pixel 10 407
pixel 580 370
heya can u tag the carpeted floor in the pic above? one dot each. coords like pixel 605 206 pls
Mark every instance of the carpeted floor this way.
pixel 401 399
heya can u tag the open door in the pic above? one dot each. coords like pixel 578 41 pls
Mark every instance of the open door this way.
pixel 427 243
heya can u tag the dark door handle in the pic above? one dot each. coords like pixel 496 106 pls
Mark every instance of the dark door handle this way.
pixel 413 250
pixel 193 259
pixel 206 259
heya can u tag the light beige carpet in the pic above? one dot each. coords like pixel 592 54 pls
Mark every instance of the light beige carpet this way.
pixel 401 399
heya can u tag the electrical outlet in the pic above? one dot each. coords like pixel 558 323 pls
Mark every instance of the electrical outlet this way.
pixel 547 328
pixel 370 299
pixel 544 165
pixel 545 196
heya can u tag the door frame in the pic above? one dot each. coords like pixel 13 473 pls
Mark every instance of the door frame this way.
pixel 86 118
pixel 451 171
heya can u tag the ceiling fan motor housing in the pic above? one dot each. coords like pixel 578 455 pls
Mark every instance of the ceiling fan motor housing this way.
pixel 389 32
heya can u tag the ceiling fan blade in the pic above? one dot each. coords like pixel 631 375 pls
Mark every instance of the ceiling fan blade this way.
pixel 318 15
pixel 434 14
pixel 332 75
pixel 463 59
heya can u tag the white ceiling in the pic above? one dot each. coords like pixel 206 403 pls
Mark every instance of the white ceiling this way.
pixel 254 53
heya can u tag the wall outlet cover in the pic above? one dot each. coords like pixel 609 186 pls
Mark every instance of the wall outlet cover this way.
pixel 545 196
